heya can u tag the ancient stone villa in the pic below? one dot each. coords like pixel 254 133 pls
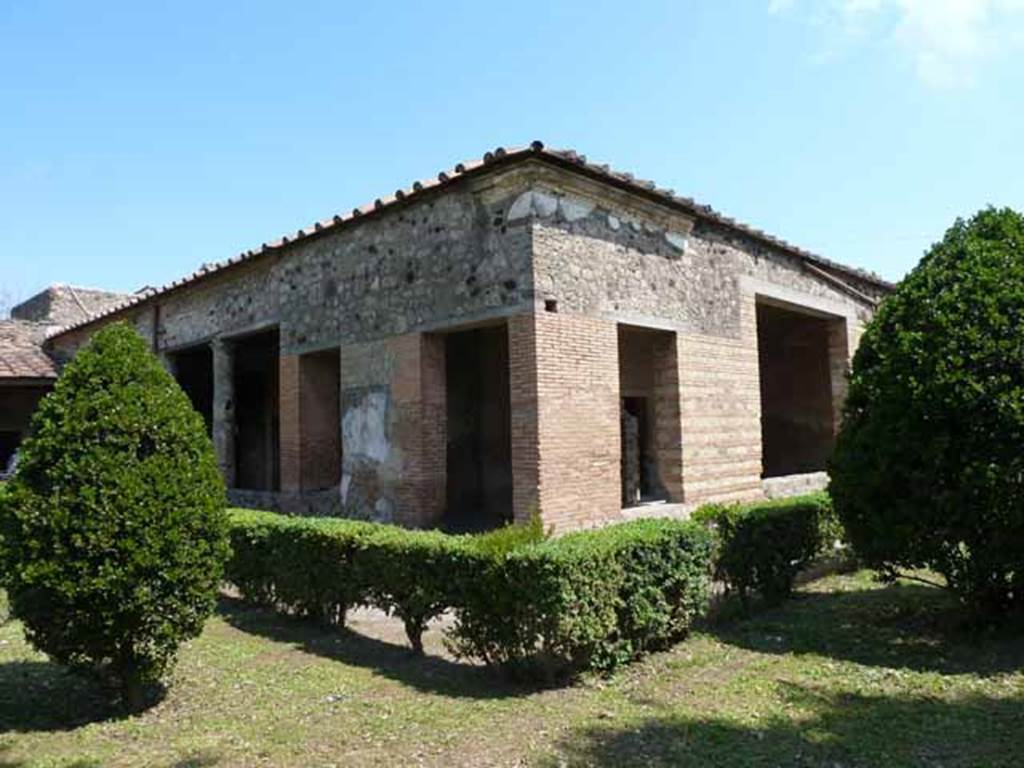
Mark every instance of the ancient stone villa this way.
pixel 527 331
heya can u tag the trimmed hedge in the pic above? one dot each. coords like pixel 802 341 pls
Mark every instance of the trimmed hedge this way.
pixel 305 566
pixel 534 607
pixel 763 546
pixel 344 563
pixel 413 575
pixel 588 600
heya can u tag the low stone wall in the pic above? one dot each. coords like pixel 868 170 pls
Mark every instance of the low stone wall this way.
pixel 326 503
pixel 794 485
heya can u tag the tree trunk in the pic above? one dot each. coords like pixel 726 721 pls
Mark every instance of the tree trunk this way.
pixel 414 629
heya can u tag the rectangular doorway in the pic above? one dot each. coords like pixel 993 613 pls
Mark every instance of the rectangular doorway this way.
pixel 478 418
pixel 797 408
pixel 257 420
pixel 193 370
pixel 650 428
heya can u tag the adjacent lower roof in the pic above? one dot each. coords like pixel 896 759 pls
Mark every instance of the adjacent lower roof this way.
pixel 21 353
pixel 500 157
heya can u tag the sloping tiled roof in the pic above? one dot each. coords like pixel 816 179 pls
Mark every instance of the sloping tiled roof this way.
pixel 21 354
pixel 61 304
pixel 568 159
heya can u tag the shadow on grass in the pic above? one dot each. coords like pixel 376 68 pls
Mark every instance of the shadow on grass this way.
pixel 820 730
pixel 431 674
pixel 44 696
pixel 903 626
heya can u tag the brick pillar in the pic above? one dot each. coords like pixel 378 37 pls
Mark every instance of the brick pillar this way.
pixel 522 361
pixel 839 353
pixel 668 439
pixel 431 477
pixel 290 435
pixel 578 430
pixel 720 405
pixel 224 408
pixel 394 388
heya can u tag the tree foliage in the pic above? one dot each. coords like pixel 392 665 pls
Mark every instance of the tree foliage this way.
pixel 929 465
pixel 115 535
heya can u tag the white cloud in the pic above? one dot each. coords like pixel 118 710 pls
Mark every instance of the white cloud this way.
pixel 946 41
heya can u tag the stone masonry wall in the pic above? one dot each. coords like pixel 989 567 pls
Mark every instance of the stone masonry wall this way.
pixel 564 260
pixel 599 255
pixel 368 290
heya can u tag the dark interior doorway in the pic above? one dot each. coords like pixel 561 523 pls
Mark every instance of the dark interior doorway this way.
pixel 638 485
pixel 257 425
pixel 193 369
pixel 9 442
pixel 651 458
pixel 479 447
pixel 797 428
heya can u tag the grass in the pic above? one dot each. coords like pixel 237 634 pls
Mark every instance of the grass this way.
pixel 849 673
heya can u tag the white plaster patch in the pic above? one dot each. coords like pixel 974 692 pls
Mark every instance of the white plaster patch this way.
pixel 383 510
pixel 363 428
pixel 574 209
pixel 544 204
pixel 677 240
pixel 521 208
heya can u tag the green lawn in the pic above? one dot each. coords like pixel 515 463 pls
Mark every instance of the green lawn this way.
pixel 847 674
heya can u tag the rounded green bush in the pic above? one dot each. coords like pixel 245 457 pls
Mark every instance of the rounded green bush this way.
pixel 114 536
pixel 928 469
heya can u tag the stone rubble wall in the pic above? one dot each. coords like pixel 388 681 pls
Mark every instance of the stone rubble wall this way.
pixel 563 261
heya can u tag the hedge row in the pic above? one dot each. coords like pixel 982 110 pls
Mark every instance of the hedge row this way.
pixel 763 546
pixel 588 600
pixel 584 601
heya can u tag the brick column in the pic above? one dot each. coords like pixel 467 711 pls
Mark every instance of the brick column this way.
pixel 668 448
pixel 522 362
pixel 394 389
pixel 417 382
pixel 720 405
pixel 224 408
pixel 290 433
pixel 839 354
pixel 578 430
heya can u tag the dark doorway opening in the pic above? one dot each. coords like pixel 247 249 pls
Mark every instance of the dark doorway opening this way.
pixel 320 423
pixel 479 444
pixel 638 485
pixel 257 425
pixel 193 369
pixel 797 421
pixel 651 460
pixel 9 442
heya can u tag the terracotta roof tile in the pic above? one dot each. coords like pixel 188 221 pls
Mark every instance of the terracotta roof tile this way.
pixel 21 354
pixel 567 158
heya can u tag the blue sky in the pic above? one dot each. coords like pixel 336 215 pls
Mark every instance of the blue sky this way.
pixel 139 140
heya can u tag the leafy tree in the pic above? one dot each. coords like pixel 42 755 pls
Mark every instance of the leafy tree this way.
pixel 929 465
pixel 115 535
